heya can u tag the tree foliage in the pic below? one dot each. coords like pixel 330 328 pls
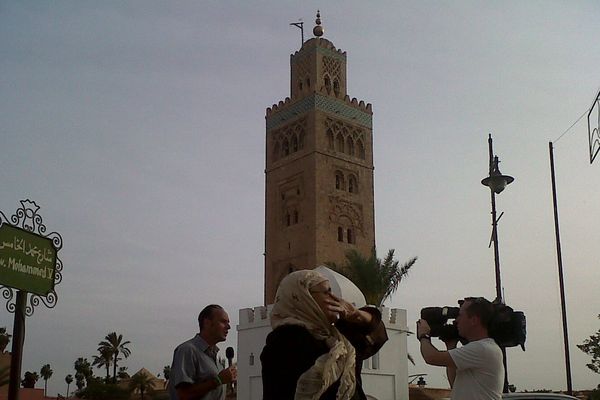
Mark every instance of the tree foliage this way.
pixel 68 380
pixel 141 383
pixel 591 347
pixel 46 373
pixel 117 346
pixel 104 360
pixel 29 379
pixel 377 279
pixel 4 338
pixel 123 374
pixel 98 390
pixel 83 372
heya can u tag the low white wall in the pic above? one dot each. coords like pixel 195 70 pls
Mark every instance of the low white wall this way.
pixel 385 375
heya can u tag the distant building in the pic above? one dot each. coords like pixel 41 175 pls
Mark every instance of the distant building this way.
pixel 157 386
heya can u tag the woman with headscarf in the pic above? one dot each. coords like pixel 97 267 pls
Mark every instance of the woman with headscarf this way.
pixel 318 342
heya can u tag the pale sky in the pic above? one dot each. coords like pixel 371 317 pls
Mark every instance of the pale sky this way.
pixel 138 127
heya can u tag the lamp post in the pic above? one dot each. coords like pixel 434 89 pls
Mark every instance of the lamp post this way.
pixel 497 183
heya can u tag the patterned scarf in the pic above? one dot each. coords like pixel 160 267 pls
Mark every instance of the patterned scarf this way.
pixel 294 305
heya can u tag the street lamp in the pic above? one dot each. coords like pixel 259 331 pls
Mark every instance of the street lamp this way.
pixel 497 183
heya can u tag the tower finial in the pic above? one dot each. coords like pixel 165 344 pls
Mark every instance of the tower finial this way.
pixel 318 29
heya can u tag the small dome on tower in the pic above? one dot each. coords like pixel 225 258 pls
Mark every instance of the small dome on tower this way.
pixel 318 29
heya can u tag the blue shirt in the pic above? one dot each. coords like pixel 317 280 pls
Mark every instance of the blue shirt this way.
pixel 192 363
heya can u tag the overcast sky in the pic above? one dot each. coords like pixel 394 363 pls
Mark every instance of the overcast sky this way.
pixel 138 127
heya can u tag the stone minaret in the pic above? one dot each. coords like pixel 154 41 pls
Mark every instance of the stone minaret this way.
pixel 319 167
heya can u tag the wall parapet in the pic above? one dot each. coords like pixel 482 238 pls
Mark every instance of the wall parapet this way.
pixel 351 109
pixel 258 316
pixel 346 101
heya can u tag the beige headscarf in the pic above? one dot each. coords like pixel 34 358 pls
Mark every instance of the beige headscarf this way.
pixel 294 305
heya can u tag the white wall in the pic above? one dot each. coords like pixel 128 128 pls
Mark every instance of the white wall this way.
pixel 385 375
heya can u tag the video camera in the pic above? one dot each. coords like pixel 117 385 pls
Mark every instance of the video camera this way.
pixel 507 327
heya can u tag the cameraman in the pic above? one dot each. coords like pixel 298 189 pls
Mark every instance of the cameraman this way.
pixel 475 370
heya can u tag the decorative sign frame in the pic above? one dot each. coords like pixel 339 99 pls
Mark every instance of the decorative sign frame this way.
pixel 31 255
pixel 594 128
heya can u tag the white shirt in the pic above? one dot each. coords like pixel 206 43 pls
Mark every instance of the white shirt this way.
pixel 479 371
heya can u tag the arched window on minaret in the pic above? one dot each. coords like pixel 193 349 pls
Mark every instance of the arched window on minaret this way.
pixel 361 149
pixel 352 184
pixel 294 143
pixel 276 151
pixel 339 181
pixel 350 145
pixel 296 218
pixel 286 147
pixel 327 83
pixel 330 139
pixel 300 85
pixel 336 87
pixel 308 82
pixel 351 238
pixel 339 143
pixel 288 219
pixel 301 139
pixel 340 234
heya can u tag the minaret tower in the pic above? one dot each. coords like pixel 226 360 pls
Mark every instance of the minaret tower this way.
pixel 319 167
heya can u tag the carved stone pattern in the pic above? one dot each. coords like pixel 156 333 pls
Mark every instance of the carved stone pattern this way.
pixel 302 69
pixel 343 208
pixel 322 103
pixel 298 128
pixel 338 126
pixel 332 67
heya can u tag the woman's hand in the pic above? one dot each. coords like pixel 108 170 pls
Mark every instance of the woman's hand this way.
pixel 352 314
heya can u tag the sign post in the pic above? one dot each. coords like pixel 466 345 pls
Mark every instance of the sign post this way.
pixel 594 128
pixel 29 270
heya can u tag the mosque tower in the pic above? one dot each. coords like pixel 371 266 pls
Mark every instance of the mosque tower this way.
pixel 319 200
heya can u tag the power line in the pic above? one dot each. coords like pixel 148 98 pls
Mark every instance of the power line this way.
pixel 574 123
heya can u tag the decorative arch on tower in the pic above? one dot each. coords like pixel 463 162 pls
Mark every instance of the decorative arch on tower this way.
pixel 345 217
pixel 288 139
pixel 352 184
pixel 345 138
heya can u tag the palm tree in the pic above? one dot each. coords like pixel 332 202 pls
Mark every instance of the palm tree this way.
pixel 141 382
pixel 377 279
pixel 68 380
pixel 4 339
pixel 30 379
pixel 123 374
pixel 104 360
pixel 117 346
pixel 83 372
pixel 79 381
pixel 46 373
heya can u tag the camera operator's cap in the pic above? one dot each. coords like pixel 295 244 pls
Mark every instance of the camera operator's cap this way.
pixel 343 287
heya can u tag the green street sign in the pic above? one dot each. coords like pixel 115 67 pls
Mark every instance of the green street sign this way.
pixel 27 260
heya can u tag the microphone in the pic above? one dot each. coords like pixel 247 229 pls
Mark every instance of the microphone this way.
pixel 229 354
